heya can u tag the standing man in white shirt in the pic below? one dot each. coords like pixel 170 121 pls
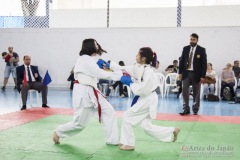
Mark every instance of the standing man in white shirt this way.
pixel 192 71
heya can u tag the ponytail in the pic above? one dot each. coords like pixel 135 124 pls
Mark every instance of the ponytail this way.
pixel 151 57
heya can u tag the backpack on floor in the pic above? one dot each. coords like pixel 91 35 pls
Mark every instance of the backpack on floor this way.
pixel 227 94
pixel 212 97
pixel 237 95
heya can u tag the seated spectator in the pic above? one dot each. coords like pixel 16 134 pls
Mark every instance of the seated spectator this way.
pixel 122 92
pixel 208 87
pixel 172 68
pixel 28 78
pixel 227 80
pixel 157 69
pixel 71 79
pixel 102 88
pixel 236 70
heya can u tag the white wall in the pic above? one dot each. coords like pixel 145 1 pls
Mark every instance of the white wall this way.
pixel 204 16
pixel 57 49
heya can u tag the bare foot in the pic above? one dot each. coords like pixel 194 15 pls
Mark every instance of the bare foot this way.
pixel 126 148
pixel 175 133
pixel 56 138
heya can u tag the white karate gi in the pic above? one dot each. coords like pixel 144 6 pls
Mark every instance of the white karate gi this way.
pixel 145 83
pixel 85 104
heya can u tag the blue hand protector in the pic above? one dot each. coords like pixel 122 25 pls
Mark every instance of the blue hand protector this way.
pixel 126 80
pixel 102 64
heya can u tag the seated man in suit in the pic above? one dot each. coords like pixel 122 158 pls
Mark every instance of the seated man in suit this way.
pixel 32 81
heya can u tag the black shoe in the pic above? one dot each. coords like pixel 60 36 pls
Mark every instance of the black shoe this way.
pixel 3 88
pixel 195 113
pixel 204 97
pixel 45 106
pixel 24 107
pixel 185 112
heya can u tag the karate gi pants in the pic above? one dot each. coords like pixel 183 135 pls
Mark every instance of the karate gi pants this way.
pixel 85 110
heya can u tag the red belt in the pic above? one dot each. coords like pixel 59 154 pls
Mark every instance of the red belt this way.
pixel 99 106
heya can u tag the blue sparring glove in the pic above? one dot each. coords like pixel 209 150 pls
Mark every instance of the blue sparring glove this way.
pixel 102 64
pixel 126 80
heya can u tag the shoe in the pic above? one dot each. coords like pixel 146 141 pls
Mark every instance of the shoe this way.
pixel 185 112
pixel 126 148
pixel 3 88
pixel 175 90
pixel 204 97
pixel 15 88
pixel 24 107
pixel 45 106
pixel 223 99
pixel 195 113
pixel 122 95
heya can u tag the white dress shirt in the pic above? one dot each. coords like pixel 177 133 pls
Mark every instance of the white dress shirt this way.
pixel 194 49
pixel 33 78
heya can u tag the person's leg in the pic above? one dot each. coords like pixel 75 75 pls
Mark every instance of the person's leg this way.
pixel 132 117
pixel 7 72
pixel 196 96
pixel 71 85
pixel 161 133
pixel 40 87
pixel 185 93
pixel 115 84
pixel 223 85
pixel 109 121
pixel 211 87
pixel 205 90
pixel 24 93
pixel 121 88
pixel 14 74
pixel 231 85
pixel 80 119
pixel 180 88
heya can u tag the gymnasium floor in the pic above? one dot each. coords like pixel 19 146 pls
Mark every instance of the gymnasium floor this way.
pixel 213 134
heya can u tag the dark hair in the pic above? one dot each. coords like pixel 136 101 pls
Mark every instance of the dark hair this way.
pixel 151 57
pixel 194 35
pixel 211 65
pixel 236 61
pixel 175 61
pixel 4 53
pixel 26 56
pixel 121 63
pixel 89 47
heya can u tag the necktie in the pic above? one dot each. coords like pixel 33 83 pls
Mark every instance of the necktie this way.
pixel 29 75
pixel 190 58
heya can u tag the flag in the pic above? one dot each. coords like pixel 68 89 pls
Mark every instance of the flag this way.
pixel 47 79
pixel 24 79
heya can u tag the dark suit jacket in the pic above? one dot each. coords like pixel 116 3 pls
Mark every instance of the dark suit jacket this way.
pixel 199 63
pixel 20 75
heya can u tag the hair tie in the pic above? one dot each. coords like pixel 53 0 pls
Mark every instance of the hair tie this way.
pixel 154 54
